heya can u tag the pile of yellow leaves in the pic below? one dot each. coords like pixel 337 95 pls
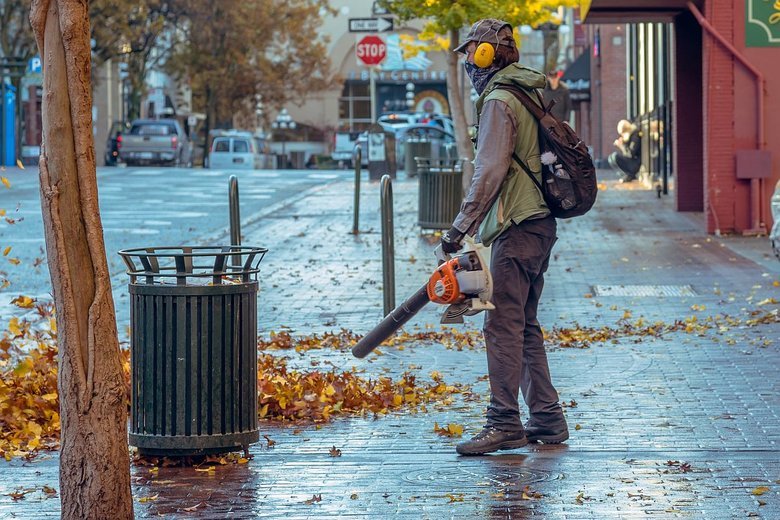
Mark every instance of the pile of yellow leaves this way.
pixel 292 395
pixel 29 406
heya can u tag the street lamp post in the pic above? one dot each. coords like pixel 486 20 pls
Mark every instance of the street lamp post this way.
pixel 284 121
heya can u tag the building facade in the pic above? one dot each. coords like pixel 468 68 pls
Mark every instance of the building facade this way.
pixel 702 79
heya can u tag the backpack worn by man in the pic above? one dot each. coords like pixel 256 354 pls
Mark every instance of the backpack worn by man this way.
pixel 568 175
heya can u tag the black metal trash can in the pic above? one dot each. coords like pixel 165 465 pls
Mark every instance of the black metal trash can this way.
pixel 440 193
pixel 414 148
pixel 193 317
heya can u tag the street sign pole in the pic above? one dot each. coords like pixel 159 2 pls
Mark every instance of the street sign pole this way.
pixel 372 79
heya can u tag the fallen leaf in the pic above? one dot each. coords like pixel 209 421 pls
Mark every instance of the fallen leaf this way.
pixel 760 490
pixel 313 499
pixel 334 452
pixel 6 251
pixel 148 499
pixel 452 430
pixel 23 302
pixel 19 494
pixel 6 182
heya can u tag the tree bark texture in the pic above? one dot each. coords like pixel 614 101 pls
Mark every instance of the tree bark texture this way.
pixel 455 95
pixel 94 459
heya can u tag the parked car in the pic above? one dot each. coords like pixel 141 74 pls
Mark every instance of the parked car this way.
pixel 156 141
pixel 439 138
pixel 397 120
pixel 239 150
pixel 114 142
pixel 774 235
pixel 400 120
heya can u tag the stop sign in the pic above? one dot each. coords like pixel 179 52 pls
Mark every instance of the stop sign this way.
pixel 371 50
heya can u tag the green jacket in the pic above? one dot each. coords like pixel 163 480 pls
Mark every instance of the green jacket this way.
pixel 518 198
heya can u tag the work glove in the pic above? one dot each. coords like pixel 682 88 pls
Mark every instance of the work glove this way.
pixel 451 241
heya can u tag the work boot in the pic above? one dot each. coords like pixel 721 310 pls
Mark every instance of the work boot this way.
pixel 491 439
pixel 547 435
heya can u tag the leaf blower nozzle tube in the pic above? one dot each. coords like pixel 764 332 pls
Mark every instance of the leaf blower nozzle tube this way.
pixel 392 322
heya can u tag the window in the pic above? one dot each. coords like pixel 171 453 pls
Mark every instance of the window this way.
pixel 221 145
pixel 151 129
pixel 240 146
pixel 355 106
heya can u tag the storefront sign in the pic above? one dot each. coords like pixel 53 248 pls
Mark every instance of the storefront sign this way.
pixel 400 75
pixel 762 23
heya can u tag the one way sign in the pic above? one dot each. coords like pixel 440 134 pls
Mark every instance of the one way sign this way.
pixel 370 24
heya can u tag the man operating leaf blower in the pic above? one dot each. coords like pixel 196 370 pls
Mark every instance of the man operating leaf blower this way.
pixel 505 208
pixel 509 211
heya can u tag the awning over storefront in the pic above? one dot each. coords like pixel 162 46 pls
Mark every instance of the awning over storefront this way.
pixel 630 11
pixel 577 78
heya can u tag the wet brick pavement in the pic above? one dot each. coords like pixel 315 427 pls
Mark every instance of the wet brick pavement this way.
pixel 709 402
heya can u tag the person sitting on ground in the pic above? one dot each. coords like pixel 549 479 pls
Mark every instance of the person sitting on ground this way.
pixel 627 160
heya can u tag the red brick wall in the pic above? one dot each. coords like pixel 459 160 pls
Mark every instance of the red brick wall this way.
pixel 608 87
pixel 721 193
pixel 766 60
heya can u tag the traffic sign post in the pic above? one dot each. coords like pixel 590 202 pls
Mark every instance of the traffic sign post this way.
pixel 371 50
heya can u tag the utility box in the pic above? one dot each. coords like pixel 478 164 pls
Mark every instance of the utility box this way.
pixel 7 125
pixel 193 349
pixel 381 153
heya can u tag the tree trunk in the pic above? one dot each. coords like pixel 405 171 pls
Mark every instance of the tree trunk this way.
pixel 94 459
pixel 207 122
pixel 465 148
pixel 136 75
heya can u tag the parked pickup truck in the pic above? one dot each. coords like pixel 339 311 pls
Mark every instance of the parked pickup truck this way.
pixel 156 141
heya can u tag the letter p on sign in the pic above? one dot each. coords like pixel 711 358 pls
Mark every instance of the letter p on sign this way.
pixel 370 50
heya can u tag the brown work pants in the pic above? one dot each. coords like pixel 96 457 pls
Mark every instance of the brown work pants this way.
pixel 515 346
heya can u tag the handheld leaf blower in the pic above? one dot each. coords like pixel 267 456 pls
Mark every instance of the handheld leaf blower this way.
pixel 462 282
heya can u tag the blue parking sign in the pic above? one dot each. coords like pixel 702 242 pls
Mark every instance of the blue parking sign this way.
pixel 34 65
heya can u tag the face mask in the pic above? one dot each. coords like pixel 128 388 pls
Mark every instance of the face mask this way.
pixel 479 77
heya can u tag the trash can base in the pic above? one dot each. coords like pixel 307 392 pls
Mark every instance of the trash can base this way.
pixel 184 445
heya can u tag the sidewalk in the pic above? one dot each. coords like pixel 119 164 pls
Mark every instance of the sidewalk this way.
pixel 682 423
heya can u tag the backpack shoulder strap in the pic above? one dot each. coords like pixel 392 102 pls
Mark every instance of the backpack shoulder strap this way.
pixel 527 170
pixel 522 96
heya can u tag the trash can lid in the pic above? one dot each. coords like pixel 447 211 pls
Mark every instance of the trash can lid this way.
pixel 201 265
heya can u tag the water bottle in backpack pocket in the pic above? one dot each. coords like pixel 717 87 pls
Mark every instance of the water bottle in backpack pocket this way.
pixel 559 186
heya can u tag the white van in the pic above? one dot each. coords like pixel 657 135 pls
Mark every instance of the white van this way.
pixel 239 151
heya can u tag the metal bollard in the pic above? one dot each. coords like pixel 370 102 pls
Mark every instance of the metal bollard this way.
pixel 357 157
pixel 388 247
pixel 235 219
